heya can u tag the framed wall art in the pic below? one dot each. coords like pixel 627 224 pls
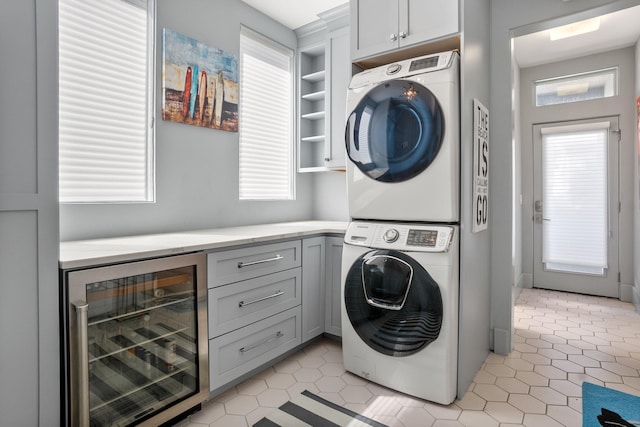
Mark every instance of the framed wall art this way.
pixel 199 83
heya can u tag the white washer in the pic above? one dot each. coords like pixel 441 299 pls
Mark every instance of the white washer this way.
pixel 399 307
pixel 402 141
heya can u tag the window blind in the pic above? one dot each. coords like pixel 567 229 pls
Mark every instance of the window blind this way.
pixel 266 119
pixel 575 220
pixel 106 98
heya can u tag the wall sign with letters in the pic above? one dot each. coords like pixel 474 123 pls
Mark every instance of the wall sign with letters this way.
pixel 480 166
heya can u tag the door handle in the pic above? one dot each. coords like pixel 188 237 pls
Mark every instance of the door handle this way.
pixel 538 219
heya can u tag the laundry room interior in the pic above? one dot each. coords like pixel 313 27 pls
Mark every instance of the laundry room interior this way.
pixel 346 208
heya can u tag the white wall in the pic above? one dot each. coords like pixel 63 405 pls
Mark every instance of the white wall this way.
pixel 507 16
pixel 197 168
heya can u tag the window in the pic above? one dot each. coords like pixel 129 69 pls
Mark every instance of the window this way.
pixel 578 87
pixel 575 198
pixel 266 119
pixel 106 100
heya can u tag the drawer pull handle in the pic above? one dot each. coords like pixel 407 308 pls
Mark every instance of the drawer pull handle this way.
pixel 277 294
pixel 268 340
pixel 262 261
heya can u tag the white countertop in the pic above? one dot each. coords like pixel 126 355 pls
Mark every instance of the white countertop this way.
pixel 84 253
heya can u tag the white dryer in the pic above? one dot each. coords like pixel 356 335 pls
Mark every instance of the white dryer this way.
pixel 399 307
pixel 402 141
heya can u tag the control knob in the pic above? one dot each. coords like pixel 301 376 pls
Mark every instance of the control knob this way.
pixel 391 235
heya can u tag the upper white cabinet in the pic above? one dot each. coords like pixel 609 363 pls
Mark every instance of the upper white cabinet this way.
pixel 324 68
pixel 380 26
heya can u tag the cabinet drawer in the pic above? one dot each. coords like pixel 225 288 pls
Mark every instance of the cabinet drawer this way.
pixel 239 304
pixel 238 352
pixel 240 264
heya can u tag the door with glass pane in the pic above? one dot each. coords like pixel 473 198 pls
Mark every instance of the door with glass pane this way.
pixel 575 210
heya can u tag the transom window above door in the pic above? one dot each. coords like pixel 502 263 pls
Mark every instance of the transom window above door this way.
pixel 577 87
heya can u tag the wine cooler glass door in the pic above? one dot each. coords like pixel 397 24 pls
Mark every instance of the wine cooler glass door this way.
pixel 135 341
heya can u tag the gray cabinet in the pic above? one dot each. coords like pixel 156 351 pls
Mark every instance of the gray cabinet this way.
pixel 313 287
pixel 254 308
pixel 29 310
pixel 333 284
pixel 381 26
pixel 266 300
pixel 324 69
pixel 321 284
pixel 238 352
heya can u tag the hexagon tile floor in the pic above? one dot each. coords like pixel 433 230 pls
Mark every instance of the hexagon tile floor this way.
pixel 561 340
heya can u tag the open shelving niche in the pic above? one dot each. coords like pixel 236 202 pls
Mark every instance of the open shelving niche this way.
pixel 314 99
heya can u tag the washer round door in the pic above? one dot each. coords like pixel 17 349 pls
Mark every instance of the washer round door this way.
pixel 395 131
pixel 392 302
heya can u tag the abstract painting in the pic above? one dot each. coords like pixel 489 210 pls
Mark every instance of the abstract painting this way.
pixel 199 83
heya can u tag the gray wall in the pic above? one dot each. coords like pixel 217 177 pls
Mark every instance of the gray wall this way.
pixel 475 255
pixel 619 105
pixel 507 17
pixel 197 168
pixel 636 204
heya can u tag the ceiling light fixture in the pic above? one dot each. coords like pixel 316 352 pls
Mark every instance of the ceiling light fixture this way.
pixel 575 29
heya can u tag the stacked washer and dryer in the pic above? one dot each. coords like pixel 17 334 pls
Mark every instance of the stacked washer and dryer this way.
pixel 400 265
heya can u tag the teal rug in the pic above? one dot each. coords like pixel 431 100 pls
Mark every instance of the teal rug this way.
pixel 604 407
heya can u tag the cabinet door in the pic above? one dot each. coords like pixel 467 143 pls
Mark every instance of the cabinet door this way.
pixel 374 27
pixel 339 77
pixel 333 282
pixel 420 20
pixel 313 266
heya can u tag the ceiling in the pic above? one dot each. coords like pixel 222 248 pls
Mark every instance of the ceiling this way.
pixel 617 30
pixel 294 13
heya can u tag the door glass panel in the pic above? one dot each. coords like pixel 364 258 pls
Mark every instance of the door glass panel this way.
pixel 574 205
pixel 142 344
pixel 395 131
pixel 386 281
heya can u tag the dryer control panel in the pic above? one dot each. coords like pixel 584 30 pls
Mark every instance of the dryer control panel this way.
pixel 403 69
pixel 402 237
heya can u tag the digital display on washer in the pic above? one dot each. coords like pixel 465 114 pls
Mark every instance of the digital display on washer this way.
pixel 422 238
pixel 421 64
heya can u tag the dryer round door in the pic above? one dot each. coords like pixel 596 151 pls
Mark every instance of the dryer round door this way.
pixel 392 302
pixel 395 131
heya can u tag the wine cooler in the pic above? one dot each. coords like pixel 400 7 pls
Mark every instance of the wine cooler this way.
pixel 135 342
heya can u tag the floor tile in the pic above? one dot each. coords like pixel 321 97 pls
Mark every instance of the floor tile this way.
pixel 560 341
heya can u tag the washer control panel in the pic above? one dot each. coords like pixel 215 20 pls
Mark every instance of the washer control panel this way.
pixel 407 237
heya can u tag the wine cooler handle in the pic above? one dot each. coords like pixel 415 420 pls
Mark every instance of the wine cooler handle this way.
pixel 82 318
